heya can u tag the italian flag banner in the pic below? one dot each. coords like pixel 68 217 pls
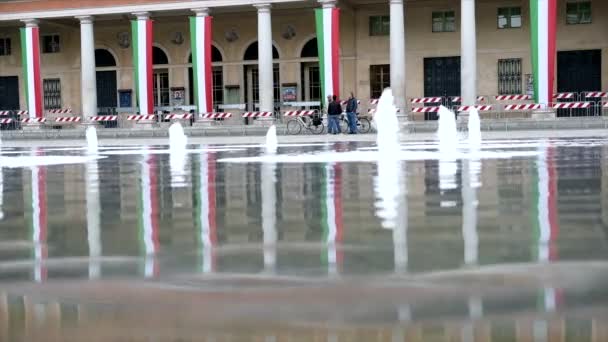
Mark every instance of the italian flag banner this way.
pixel 328 40
pixel 142 64
pixel 200 31
pixel 149 215
pixel 32 80
pixel 204 208
pixel 331 213
pixel 543 26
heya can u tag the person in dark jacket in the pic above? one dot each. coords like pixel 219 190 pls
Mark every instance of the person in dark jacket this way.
pixel 351 113
pixel 334 110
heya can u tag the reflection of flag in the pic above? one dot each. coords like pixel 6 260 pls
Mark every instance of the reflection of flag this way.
pixel 149 214
pixel 331 210
pixel 204 208
pixel 39 221
pixel 546 225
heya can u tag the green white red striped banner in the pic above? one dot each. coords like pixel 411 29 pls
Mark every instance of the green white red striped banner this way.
pixel 328 41
pixel 201 33
pixel 32 79
pixel 331 211
pixel 142 64
pixel 149 214
pixel 204 209
pixel 543 27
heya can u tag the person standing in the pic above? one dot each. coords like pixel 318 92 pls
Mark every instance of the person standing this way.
pixel 351 113
pixel 334 110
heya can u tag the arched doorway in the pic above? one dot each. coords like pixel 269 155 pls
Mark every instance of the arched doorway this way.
pixel 251 77
pixel 309 72
pixel 160 85
pixel 107 92
pixel 217 78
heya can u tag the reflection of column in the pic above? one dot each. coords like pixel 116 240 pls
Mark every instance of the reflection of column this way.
pixel 39 223
pixel 269 199
pixel 149 214
pixel 1 193
pixel 332 223
pixel 4 317
pixel 205 210
pixel 469 216
pixel 93 213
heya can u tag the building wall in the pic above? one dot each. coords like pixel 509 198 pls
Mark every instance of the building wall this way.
pixel 358 49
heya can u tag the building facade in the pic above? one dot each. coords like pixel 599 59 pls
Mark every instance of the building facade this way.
pixel 436 64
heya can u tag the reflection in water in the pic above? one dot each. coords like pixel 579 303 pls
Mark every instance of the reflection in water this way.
pixel 39 221
pixel 269 215
pixel 149 215
pixel 331 211
pixel 205 209
pixel 93 215
pixel 469 215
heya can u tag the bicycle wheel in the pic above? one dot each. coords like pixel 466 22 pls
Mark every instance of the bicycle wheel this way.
pixel 343 125
pixel 318 129
pixel 293 126
pixel 363 125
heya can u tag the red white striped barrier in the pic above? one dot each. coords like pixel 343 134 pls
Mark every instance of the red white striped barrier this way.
pixel 372 111
pixel 23 112
pixel 343 102
pixel 458 99
pixel 570 105
pixel 605 105
pixel 374 101
pixel 425 109
pixel 257 114
pixel 6 121
pixel 426 100
pixel 215 115
pixel 560 96
pixel 299 112
pixel 141 117
pixel 68 119
pixel 59 111
pixel 512 97
pixel 481 108
pixel 33 120
pixel 181 116
pixel 104 118
pixel 529 106
pixel 596 94
pixel 4 112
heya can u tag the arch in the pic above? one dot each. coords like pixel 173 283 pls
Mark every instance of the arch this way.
pixel 216 55
pixel 107 50
pixel 251 52
pixel 159 55
pixel 103 58
pixel 310 49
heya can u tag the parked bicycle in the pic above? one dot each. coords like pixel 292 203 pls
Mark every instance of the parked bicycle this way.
pixel 363 124
pixel 312 123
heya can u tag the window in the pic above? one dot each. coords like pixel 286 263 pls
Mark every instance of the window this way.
pixel 380 78
pixel 379 25
pixel 578 13
pixel 509 17
pixel 218 85
pixel 50 43
pixel 5 47
pixel 52 93
pixel 509 76
pixel 444 21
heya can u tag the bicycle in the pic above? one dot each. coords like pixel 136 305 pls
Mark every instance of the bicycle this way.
pixel 313 124
pixel 363 124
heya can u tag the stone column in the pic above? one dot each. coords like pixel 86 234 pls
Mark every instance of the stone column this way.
pixel 468 59
pixel 88 78
pixel 265 58
pixel 397 55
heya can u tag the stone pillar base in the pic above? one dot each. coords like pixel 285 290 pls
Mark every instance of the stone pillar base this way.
pixel 543 114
